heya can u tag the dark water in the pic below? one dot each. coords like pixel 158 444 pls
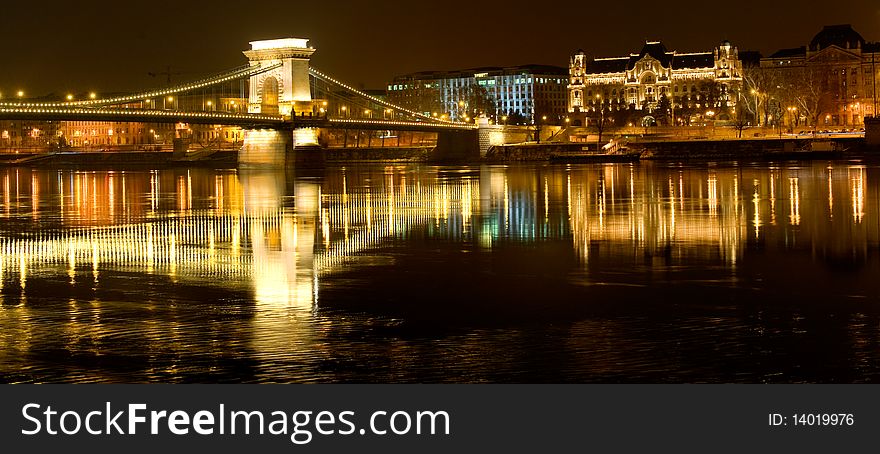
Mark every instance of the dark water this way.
pixel 406 273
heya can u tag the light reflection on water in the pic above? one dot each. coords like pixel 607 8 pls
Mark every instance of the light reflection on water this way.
pixel 613 272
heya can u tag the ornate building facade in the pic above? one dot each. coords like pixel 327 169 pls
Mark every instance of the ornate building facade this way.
pixel 830 82
pixel 691 81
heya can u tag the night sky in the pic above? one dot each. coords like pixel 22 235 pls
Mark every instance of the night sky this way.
pixel 112 45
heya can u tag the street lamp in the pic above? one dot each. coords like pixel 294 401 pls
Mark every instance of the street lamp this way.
pixel 600 121
pixel 20 94
pixel 92 95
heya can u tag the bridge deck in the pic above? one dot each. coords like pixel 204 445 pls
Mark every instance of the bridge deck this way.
pixel 256 121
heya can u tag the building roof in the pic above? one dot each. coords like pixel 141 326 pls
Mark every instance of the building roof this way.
pixel 655 49
pixel 543 70
pixel 788 53
pixel 693 61
pixel 658 51
pixel 837 35
pixel 751 58
pixel 607 65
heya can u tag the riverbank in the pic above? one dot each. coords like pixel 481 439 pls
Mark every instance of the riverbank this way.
pixel 215 159
pixel 678 150
pixel 152 159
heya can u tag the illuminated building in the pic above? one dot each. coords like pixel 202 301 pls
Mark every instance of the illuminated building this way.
pixel 525 92
pixel 843 67
pixel 639 81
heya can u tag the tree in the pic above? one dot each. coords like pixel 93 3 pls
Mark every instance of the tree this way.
pixel 516 118
pixel 599 119
pixel 661 113
pixel 741 119
pixel 757 85
pixel 805 88
pixel 477 100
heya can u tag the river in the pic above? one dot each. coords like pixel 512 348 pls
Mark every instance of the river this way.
pixel 627 272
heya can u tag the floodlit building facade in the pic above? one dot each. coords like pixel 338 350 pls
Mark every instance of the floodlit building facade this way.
pixel 840 65
pixel 639 81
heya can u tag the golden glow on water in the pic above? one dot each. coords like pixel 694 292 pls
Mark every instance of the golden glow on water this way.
pixel 756 201
pixel 93 229
pixel 794 197
pixel 857 177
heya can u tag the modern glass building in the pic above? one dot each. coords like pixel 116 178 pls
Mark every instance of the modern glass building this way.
pixel 519 94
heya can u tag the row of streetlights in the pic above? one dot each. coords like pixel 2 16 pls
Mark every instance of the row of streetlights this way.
pixel 345 111
pixel 20 95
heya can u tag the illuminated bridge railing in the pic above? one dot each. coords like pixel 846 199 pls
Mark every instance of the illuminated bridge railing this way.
pixel 227 76
pixel 42 113
pixel 391 124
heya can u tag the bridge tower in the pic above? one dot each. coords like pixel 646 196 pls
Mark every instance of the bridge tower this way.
pixel 284 90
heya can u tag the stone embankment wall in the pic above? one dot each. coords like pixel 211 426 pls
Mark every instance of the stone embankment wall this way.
pixel 413 154
pixel 684 150
pixel 535 152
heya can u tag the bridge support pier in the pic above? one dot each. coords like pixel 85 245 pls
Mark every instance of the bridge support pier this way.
pixel 280 148
pixel 306 152
pixel 265 148
pixel 457 146
pixel 872 131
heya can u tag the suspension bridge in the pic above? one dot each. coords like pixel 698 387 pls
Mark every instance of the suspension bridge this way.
pixel 280 89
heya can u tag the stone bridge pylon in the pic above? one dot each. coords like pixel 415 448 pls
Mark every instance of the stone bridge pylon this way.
pixel 284 90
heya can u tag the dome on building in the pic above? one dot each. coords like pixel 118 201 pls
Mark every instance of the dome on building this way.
pixel 726 43
pixel 842 36
pixel 580 52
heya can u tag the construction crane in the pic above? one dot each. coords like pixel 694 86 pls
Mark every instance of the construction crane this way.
pixel 167 73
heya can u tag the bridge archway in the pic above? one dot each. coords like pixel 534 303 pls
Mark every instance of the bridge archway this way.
pixel 269 98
